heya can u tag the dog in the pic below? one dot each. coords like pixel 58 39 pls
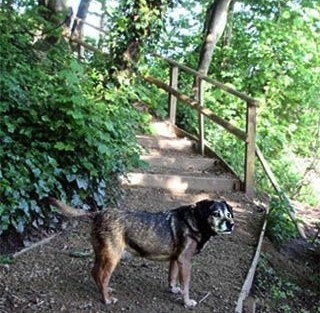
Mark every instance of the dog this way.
pixel 175 236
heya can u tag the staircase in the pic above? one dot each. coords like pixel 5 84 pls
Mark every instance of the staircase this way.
pixel 218 272
pixel 174 165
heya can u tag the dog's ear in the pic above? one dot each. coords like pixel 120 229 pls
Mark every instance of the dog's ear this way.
pixel 228 206
pixel 206 203
pixel 204 208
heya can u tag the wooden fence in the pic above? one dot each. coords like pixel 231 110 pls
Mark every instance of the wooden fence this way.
pixel 197 103
pixel 248 136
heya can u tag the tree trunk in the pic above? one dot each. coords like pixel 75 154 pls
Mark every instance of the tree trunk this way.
pixel 228 30
pixel 77 28
pixel 102 22
pixel 216 20
pixel 53 9
pixel 58 14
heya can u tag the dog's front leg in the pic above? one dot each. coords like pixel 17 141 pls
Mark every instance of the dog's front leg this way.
pixel 173 276
pixel 185 275
pixel 184 265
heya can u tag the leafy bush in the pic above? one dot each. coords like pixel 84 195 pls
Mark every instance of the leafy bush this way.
pixel 63 132
pixel 279 227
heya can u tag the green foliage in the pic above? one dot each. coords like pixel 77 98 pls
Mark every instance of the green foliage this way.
pixel 133 27
pixel 282 294
pixel 272 55
pixel 5 259
pixel 279 227
pixel 63 132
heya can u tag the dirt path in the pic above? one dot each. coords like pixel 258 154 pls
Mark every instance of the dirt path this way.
pixel 48 279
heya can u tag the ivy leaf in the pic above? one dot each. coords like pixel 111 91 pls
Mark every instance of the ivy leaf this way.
pixel 71 177
pixel 103 149
pixel 82 183
pixel 24 206
pixel 64 146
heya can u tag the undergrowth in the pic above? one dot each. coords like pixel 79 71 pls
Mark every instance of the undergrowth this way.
pixel 276 294
pixel 64 132
pixel 280 227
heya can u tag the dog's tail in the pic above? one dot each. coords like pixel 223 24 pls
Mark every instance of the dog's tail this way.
pixel 68 210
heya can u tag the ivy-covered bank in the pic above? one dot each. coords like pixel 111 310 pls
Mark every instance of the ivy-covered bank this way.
pixel 64 131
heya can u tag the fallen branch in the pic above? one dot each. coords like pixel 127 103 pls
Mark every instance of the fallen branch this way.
pixel 73 253
pixel 35 245
pixel 245 291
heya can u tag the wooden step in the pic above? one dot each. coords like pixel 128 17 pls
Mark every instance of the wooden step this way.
pixel 175 166
pixel 181 183
pixel 181 164
pixel 163 128
pixel 161 142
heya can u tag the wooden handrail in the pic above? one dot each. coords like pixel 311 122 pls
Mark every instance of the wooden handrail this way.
pixel 267 170
pixel 195 104
pixel 172 103
pixel 249 136
pixel 254 149
pixel 228 126
pixel 274 183
pixel 248 99
pixel 84 44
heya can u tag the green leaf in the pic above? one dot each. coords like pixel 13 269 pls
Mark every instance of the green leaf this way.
pixel 103 149
pixel 82 183
pixel 64 146
pixel 6 259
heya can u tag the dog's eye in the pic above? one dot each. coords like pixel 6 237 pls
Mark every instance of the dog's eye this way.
pixel 228 215
pixel 216 214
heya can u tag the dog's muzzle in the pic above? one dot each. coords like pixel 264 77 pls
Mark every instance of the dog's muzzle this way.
pixel 230 226
pixel 226 227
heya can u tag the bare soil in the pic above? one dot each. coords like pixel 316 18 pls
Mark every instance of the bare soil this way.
pixel 55 277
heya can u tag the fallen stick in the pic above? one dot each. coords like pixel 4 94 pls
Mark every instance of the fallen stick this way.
pixel 277 188
pixel 34 245
pixel 205 297
pixel 250 275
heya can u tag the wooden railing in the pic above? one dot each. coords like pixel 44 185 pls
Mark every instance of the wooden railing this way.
pixel 248 136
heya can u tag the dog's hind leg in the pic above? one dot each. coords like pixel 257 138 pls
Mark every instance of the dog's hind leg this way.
pixel 173 276
pixel 105 262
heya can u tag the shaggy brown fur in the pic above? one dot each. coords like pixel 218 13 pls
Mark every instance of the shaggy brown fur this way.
pixel 175 236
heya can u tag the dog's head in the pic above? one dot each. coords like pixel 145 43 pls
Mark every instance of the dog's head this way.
pixel 218 214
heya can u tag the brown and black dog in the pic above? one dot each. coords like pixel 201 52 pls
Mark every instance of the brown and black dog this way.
pixel 175 236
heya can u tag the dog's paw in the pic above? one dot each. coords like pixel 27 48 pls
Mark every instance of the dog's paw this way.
pixel 190 303
pixel 175 290
pixel 111 300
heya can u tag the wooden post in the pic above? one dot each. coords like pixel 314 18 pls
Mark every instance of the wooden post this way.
pixel 250 149
pixel 172 101
pixel 199 97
